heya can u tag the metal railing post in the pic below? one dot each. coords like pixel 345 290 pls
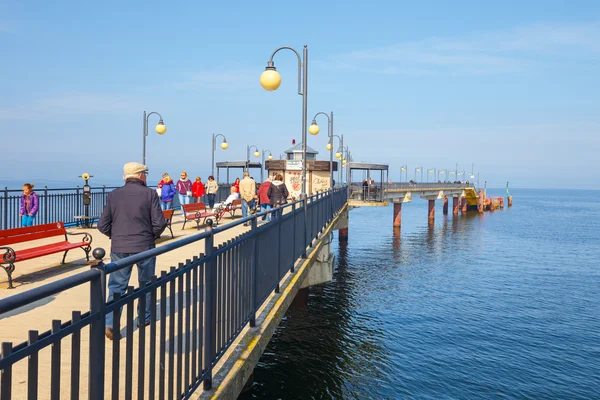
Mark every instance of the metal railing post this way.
pixel 294 237
pixel 46 202
pixel 97 328
pixel 254 273
pixel 278 252
pixel 209 312
pixel 5 208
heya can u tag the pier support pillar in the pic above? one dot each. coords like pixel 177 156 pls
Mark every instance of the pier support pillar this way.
pixel 455 205
pixel 431 210
pixel 509 201
pixel 445 206
pixel 463 205
pixel 322 269
pixel 342 226
pixel 501 200
pixel 480 201
pixel 397 215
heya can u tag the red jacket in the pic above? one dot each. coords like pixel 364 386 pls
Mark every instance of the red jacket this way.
pixel 197 189
pixel 263 198
pixel 236 185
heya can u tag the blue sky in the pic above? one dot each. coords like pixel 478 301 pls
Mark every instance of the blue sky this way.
pixel 511 87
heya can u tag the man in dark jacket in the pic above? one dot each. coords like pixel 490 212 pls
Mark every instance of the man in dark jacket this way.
pixel 132 219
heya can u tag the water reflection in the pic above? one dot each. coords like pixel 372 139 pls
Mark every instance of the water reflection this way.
pixel 324 337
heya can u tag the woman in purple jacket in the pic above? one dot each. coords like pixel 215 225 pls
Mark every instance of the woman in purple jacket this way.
pixel 29 205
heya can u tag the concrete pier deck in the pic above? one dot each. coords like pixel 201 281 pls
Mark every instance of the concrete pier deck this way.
pixel 15 326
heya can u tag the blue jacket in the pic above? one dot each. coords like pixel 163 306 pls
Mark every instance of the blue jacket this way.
pixel 167 191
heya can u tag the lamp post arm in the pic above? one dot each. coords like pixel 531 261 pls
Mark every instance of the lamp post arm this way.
pixel 322 113
pixel 270 63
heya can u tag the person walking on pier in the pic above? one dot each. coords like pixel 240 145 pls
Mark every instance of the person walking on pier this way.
pixel 197 190
pixel 29 205
pixel 278 192
pixel 247 190
pixel 133 220
pixel 236 184
pixel 184 190
pixel 211 190
pixel 167 192
pixel 263 198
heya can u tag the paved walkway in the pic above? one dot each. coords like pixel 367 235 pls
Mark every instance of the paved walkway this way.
pixel 14 326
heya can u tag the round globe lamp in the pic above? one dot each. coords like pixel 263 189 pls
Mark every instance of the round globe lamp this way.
pixel 313 129
pixel 329 146
pixel 224 145
pixel 270 79
pixel 256 154
pixel 161 128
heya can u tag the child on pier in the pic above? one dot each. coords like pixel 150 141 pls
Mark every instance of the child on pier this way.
pixel 29 205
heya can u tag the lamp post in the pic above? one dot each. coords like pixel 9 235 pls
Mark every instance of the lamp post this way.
pixel 160 129
pixel 344 155
pixel 419 169
pixel 262 167
pixel 403 169
pixel 431 171
pixel 338 154
pixel 224 146
pixel 256 154
pixel 315 128
pixel 270 80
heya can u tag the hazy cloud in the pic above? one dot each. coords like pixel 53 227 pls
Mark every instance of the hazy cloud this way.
pixel 479 52
pixel 221 80
pixel 68 104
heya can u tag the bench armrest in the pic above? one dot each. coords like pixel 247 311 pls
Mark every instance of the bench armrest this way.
pixel 9 255
pixel 87 237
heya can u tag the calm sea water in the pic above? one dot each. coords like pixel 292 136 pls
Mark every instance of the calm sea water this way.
pixel 502 305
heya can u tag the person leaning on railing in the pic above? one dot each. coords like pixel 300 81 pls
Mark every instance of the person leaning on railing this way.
pixel 133 220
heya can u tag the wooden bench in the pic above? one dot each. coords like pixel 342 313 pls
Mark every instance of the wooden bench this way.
pixel 29 234
pixel 235 205
pixel 196 212
pixel 168 214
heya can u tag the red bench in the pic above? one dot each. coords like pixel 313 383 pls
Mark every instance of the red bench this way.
pixel 22 235
pixel 235 205
pixel 196 212
pixel 168 214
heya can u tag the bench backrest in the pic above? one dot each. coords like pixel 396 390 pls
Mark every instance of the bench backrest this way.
pixel 192 208
pixel 168 214
pixel 30 233
pixel 236 203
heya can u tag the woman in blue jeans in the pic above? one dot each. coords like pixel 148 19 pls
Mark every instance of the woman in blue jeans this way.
pixel 29 205
pixel 184 190
pixel 167 193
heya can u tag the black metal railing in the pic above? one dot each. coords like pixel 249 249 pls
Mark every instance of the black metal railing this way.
pixel 199 308
pixel 64 204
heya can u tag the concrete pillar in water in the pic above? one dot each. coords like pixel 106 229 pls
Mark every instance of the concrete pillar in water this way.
pixel 480 201
pixel 445 207
pixel 455 205
pixel 342 226
pixel 397 214
pixel 431 210
pixel 509 198
pixel 463 205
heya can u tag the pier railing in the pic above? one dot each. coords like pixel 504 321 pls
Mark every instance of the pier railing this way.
pixel 199 308
pixel 63 204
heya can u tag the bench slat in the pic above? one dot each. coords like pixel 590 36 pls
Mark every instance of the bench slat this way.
pixel 192 208
pixel 31 229
pixel 39 251
pixel 27 237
